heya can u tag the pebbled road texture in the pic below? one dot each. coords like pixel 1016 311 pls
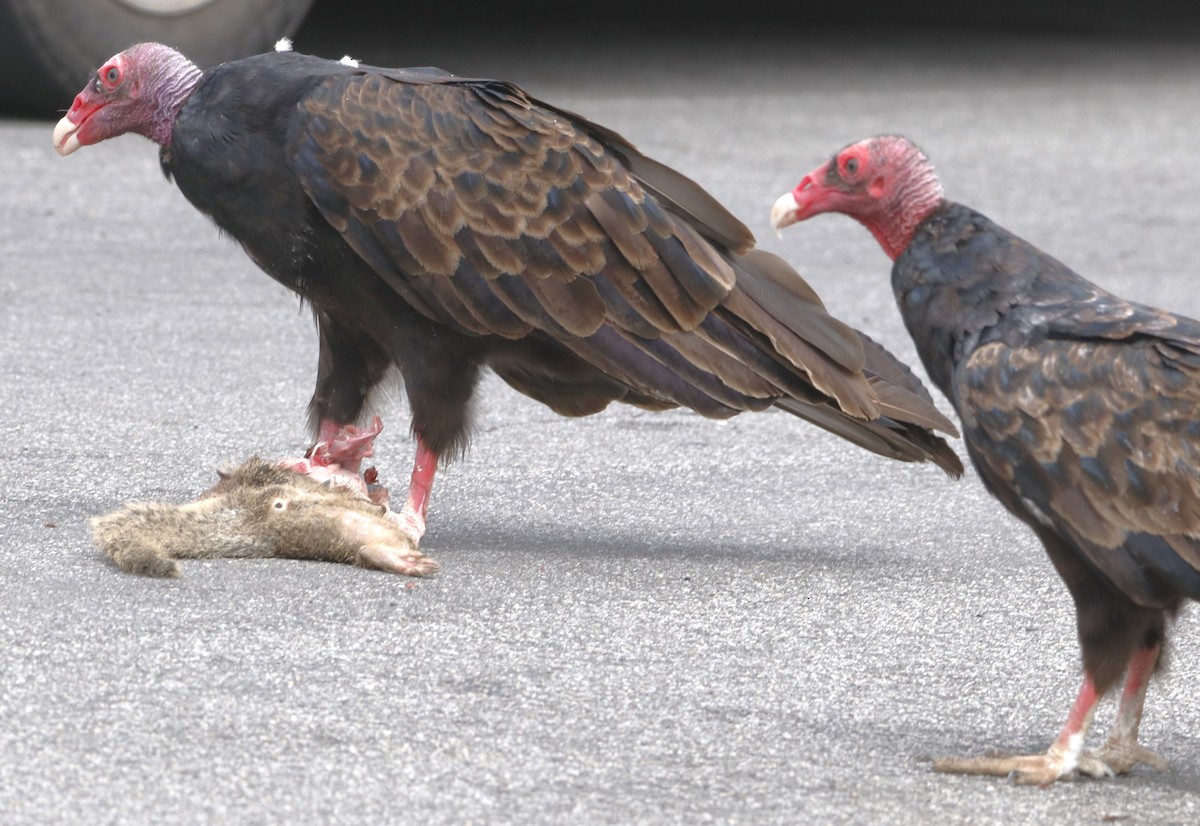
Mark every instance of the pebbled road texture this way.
pixel 641 618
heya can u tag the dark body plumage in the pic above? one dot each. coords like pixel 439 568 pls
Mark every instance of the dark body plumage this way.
pixel 441 225
pixel 1079 412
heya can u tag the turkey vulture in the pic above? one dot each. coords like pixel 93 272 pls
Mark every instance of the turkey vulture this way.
pixel 1078 411
pixel 440 225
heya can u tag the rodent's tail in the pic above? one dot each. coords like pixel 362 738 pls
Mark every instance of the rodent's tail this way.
pixel 147 537
pixel 130 538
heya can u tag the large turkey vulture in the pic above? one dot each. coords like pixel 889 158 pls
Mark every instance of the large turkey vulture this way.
pixel 440 225
pixel 1078 410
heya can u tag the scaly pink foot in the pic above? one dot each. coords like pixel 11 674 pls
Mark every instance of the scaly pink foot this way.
pixel 1059 762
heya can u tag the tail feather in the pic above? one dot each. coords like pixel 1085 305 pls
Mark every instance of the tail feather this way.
pixel 900 390
pixel 872 399
pixel 884 436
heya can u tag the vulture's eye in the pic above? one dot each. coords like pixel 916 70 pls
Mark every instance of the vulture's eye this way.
pixel 852 166
pixel 111 75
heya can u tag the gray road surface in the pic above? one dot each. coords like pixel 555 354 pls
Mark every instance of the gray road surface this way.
pixel 641 618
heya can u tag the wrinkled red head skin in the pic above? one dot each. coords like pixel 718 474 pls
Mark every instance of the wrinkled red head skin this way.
pixel 885 183
pixel 105 107
pixel 139 90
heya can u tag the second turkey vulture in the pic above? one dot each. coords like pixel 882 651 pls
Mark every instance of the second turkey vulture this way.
pixel 1078 410
pixel 440 225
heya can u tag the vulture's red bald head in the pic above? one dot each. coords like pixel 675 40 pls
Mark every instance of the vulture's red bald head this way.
pixel 139 90
pixel 885 183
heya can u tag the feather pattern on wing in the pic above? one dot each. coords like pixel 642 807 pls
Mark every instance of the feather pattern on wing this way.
pixel 1078 406
pixel 497 215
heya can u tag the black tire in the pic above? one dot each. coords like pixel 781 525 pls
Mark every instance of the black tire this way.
pixel 49 48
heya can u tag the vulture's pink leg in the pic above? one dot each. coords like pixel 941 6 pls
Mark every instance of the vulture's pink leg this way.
pixel 412 515
pixel 338 454
pixel 1121 751
pixel 1060 759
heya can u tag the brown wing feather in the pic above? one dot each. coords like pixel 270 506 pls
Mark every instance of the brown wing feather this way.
pixel 1098 437
pixel 474 185
pixel 498 216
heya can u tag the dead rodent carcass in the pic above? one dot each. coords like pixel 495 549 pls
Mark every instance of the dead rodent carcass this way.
pixel 262 509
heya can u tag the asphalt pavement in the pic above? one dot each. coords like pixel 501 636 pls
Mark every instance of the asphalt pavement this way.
pixel 641 618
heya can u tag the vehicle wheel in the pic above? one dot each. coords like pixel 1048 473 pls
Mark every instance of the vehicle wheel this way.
pixel 53 46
